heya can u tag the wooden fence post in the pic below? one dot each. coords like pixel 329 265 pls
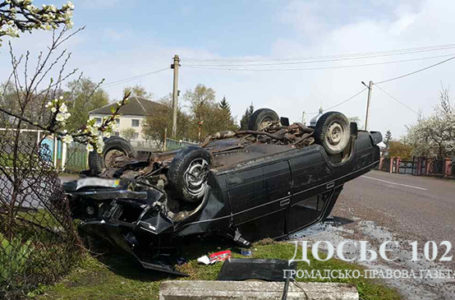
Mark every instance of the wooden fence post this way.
pixel 447 167
pixel 429 166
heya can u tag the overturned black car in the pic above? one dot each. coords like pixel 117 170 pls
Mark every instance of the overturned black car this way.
pixel 268 181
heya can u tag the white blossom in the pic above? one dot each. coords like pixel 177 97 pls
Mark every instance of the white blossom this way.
pixel 70 5
pixel 31 17
pixel 67 139
pixel 61 116
pixel 63 108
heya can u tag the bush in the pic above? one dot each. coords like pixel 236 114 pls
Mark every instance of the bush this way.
pixel 14 255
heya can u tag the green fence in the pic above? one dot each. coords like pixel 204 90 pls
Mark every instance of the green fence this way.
pixel 174 144
pixel 76 158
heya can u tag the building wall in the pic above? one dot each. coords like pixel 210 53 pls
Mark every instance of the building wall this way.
pixel 125 122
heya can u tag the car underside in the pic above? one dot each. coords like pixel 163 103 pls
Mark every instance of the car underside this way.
pixel 265 182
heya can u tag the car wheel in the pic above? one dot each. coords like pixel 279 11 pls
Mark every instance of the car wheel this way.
pixel 261 118
pixel 188 173
pixel 114 147
pixel 333 132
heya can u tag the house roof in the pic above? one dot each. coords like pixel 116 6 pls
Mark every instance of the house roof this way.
pixel 136 106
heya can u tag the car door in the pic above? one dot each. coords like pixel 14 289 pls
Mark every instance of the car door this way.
pixel 259 197
pixel 311 189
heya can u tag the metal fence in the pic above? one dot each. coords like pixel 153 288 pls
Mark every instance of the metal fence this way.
pixel 38 240
pixel 407 167
pixel 419 166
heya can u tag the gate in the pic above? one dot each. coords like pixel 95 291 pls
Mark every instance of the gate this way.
pixel 437 167
pixel 407 167
pixel 386 165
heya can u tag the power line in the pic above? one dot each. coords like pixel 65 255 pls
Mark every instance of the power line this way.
pixel 317 68
pixel 394 98
pixel 113 83
pixel 342 102
pixel 417 71
pixel 345 56
pixel 305 61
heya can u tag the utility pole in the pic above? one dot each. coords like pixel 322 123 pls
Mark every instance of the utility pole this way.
pixel 175 94
pixel 370 90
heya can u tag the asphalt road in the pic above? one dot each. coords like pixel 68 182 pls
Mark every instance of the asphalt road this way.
pixel 414 207
pixel 378 207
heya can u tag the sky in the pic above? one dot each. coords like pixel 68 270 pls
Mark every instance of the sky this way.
pixel 264 39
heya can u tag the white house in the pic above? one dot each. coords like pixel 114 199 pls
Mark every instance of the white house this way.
pixel 132 115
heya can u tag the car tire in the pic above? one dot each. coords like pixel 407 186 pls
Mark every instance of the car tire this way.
pixel 260 116
pixel 333 132
pixel 97 162
pixel 187 173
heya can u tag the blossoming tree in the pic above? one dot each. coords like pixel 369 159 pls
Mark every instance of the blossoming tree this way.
pixel 434 136
pixel 21 16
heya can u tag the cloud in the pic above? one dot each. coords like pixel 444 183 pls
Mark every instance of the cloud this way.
pixel 423 24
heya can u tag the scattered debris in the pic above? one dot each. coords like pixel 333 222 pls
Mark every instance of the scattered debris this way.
pixel 220 256
pixel 204 260
pixel 215 257
pixel 243 251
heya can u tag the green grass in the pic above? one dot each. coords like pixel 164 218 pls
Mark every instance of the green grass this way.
pixel 116 276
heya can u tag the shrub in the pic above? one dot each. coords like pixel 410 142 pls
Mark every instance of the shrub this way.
pixel 14 255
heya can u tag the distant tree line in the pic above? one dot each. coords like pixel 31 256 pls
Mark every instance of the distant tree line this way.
pixel 205 115
pixel 82 96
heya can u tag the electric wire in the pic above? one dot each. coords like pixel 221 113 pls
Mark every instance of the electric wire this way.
pixel 296 62
pixel 395 99
pixel 342 102
pixel 317 68
pixel 417 71
pixel 335 58
pixel 113 83
pixel 341 56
